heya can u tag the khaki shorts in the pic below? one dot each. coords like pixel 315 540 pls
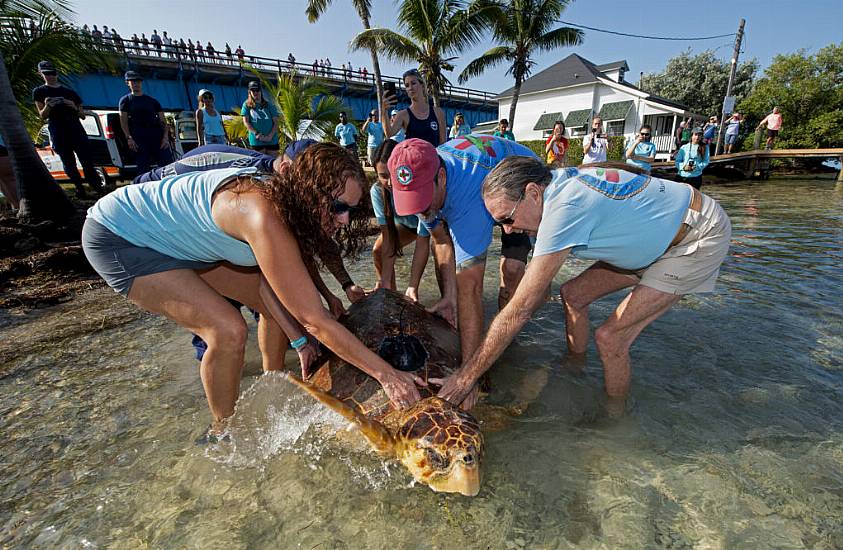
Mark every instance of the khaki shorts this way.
pixel 692 266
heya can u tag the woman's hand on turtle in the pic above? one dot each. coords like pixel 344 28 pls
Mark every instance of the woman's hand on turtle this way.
pixel 447 309
pixel 335 306
pixel 307 355
pixel 355 293
pixel 457 389
pixel 400 387
pixel 412 293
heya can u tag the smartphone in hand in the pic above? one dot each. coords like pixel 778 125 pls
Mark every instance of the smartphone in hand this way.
pixel 390 95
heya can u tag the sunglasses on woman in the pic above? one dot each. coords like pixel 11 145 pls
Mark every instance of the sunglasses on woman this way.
pixel 341 207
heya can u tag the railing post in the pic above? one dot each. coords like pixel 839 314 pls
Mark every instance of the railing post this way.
pixel 840 173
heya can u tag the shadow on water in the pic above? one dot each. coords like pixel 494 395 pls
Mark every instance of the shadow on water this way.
pixel 732 436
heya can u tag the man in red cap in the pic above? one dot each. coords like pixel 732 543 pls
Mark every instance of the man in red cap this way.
pixel 443 184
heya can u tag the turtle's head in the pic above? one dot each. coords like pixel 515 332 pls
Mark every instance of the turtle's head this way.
pixel 442 446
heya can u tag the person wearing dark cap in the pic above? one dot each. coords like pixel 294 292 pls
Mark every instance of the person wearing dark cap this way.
pixel 261 119
pixel 691 160
pixel 143 122
pixel 61 107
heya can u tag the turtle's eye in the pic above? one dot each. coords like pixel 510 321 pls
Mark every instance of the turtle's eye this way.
pixel 436 460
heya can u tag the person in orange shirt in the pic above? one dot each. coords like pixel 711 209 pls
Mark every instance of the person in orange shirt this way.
pixel 556 146
pixel 774 124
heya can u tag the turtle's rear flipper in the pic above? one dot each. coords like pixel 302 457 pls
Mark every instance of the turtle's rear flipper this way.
pixel 377 435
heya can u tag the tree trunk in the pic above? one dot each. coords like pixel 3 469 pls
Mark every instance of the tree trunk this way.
pixel 515 93
pixel 39 194
pixel 376 71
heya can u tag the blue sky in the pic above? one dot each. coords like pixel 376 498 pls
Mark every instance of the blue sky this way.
pixel 274 28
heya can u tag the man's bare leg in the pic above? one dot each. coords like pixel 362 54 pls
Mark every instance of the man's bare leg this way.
pixel 512 271
pixel 614 337
pixel 578 293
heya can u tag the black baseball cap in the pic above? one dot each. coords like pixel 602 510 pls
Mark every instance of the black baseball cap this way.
pixel 132 75
pixel 254 85
pixel 298 147
pixel 46 67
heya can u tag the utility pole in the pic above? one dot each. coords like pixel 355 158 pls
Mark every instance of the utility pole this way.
pixel 735 54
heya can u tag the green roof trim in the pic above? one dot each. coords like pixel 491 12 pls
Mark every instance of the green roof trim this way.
pixel 545 122
pixel 576 119
pixel 615 111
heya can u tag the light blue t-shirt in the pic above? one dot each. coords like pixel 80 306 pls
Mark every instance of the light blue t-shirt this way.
pixel 461 130
pixel 375 132
pixel 411 222
pixel 399 136
pixel 643 149
pixel 173 217
pixel 733 127
pixel 468 159
pixel 624 219
pixel 346 133
pixel 261 120
pixel 690 151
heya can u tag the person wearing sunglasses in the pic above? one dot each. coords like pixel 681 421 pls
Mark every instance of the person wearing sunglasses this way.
pixel 662 238
pixel 443 185
pixel 61 107
pixel 642 152
pixel 180 246
pixel 209 126
pixel 422 119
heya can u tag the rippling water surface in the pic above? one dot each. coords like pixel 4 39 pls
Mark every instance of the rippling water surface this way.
pixel 732 436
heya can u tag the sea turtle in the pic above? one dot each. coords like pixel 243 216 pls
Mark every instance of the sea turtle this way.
pixel 440 444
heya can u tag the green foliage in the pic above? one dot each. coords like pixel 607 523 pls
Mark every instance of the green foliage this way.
pixel 575 153
pixel 700 81
pixel 55 40
pixel 431 34
pixel 808 90
pixel 522 28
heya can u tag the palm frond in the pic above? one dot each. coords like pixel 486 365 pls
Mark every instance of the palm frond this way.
pixel 315 9
pixel 394 45
pixel 487 60
pixel 558 38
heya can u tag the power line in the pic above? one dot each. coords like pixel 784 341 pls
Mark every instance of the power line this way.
pixel 675 38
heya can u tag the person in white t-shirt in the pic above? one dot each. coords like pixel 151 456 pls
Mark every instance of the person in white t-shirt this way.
pixel 594 144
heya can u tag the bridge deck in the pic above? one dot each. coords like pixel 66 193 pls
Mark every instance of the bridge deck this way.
pixel 759 154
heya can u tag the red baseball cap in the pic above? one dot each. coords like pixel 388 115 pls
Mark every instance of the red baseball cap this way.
pixel 413 165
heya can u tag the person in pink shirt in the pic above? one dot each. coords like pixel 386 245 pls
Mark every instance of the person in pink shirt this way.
pixel 774 124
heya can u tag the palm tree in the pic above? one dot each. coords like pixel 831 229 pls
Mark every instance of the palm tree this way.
pixel 523 28
pixel 315 8
pixel 305 105
pixel 20 50
pixel 433 33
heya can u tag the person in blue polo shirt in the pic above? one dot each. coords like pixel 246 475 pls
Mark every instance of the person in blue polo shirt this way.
pixel 346 133
pixel 642 151
pixel 443 185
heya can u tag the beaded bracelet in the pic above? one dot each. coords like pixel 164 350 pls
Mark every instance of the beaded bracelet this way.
pixel 299 343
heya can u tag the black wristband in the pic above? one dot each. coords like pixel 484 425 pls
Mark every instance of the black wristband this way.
pixel 346 285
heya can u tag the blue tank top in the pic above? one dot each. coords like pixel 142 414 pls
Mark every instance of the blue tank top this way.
pixel 173 217
pixel 427 129
pixel 213 124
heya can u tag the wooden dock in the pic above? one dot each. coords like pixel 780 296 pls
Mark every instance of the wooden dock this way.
pixel 756 163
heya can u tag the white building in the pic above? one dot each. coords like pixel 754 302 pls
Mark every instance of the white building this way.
pixel 574 90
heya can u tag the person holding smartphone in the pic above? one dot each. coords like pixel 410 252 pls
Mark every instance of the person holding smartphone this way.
pixel 61 107
pixel 594 144
pixel 421 119
pixel 642 151
pixel 691 160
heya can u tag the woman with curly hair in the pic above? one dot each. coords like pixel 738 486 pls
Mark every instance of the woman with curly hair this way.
pixel 180 246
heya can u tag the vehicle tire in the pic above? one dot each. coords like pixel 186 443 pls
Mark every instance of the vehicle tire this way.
pixel 105 180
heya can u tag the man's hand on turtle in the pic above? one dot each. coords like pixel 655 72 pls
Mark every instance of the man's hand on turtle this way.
pixel 447 309
pixel 307 355
pixel 335 306
pixel 457 389
pixel 355 293
pixel 400 387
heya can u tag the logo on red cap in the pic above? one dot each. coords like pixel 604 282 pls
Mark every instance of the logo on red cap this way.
pixel 404 175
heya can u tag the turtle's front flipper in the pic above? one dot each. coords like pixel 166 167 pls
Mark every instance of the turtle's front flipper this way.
pixel 378 436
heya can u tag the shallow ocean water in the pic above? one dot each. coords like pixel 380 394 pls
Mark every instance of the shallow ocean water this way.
pixel 732 435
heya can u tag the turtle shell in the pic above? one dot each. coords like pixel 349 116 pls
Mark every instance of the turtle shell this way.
pixel 405 335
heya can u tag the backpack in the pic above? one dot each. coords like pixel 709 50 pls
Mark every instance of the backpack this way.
pixel 709 132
